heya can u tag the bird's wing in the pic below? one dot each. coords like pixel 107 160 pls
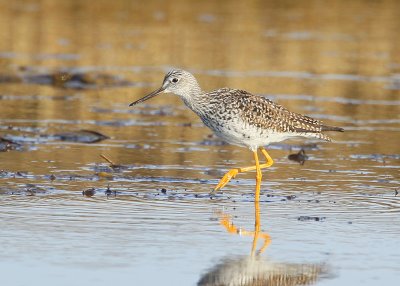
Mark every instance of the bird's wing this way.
pixel 261 112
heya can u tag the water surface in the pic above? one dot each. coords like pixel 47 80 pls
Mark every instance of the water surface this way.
pixel 76 65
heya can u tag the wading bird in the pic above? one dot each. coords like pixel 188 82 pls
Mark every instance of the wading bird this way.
pixel 241 118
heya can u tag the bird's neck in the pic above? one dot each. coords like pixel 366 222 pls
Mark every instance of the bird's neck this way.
pixel 193 98
pixel 190 102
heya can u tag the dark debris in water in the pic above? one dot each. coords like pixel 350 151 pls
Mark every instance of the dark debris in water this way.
pixel 89 192
pixel 86 80
pixel 310 218
pixel 299 157
pixel 67 79
pixel 32 190
pixel 315 201
pixel 7 145
pixel 290 197
pixel 113 166
pixel 81 136
pixel 109 192
pixel 27 190
pixel 8 174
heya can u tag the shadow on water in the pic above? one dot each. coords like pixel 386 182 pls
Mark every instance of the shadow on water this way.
pixel 257 270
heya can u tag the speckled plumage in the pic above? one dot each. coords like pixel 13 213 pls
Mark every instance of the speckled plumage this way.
pixel 240 117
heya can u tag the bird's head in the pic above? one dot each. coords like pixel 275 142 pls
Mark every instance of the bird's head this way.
pixel 177 81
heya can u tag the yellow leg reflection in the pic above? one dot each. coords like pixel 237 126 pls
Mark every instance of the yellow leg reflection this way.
pixel 231 174
pixel 256 234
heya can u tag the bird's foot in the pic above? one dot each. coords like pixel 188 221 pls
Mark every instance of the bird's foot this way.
pixel 231 174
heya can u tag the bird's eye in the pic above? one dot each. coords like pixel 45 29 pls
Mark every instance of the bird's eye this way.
pixel 175 80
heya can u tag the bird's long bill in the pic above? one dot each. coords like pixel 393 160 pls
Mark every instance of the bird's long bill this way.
pixel 154 93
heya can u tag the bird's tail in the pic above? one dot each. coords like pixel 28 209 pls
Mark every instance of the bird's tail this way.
pixel 331 128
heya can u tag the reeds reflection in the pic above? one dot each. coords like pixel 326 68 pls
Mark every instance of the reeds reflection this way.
pixel 256 270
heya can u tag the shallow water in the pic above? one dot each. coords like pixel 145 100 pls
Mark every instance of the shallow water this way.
pixel 77 65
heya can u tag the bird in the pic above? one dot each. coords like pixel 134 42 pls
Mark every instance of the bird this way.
pixel 241 118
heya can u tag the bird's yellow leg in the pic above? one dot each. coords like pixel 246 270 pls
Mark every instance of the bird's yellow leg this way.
pixel 257 219
pixel 268 158
pixel 231 174
pixel 258 178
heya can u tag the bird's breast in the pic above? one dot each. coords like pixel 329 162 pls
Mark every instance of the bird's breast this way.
pixel 233 130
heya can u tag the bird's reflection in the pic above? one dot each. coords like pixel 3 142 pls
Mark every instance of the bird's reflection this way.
pixel 256 234
pixel 256 270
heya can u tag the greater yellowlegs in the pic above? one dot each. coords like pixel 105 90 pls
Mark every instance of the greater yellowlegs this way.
pixel 241 118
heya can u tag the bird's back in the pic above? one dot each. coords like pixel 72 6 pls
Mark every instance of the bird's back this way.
pixel 238 109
